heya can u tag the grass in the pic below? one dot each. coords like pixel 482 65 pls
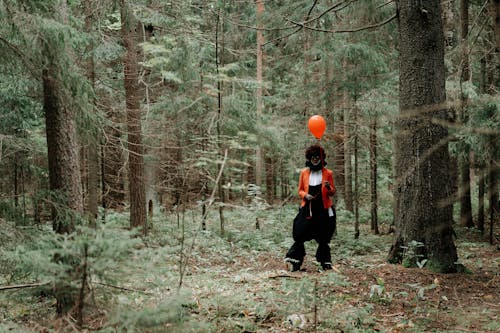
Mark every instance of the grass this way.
pixel 184 279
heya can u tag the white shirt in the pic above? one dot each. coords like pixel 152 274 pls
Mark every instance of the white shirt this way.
pixel 315 178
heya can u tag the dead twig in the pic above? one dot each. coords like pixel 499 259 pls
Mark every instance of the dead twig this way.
pixel 122 288
pixel 21 286
pixel 392 314
pixel 277 276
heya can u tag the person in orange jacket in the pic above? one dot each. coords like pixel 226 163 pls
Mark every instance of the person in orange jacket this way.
pixel 316 218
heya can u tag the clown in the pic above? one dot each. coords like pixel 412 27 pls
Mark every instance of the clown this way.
pixel 316 219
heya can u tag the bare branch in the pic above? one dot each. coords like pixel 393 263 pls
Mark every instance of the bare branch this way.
pixel 311 9
pixel 22 286
pixel 334 7
pixel 283 37
pixel 368 27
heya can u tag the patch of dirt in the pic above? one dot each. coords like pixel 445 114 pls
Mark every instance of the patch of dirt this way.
pixel 402 298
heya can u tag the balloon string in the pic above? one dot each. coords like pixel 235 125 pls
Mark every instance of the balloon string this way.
pixel 321 157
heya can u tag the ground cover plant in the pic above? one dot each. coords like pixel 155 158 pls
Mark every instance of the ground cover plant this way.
pixel 181 278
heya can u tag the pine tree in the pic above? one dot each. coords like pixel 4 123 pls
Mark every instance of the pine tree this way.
pixel 423 213
pixel 134 130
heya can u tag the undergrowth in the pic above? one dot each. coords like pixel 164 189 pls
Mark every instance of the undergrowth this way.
pixel 181 278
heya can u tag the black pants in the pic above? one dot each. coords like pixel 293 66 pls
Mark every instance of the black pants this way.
pixel 319 227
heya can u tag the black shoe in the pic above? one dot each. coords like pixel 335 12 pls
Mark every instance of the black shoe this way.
pixel 326 266
pixel 294 265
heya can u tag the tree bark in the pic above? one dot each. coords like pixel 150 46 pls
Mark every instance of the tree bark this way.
pixel 356 176
pixel 64 165
pixel 450 33
pixel 348 196
pixel 496 17
pixel 270 178
pixel 465 184
pixel 493 175
pixel 448 24
pixel 339 162
pixel 93 142
pixel 423 189
pixel 135 157
pixel 113 164
pixel 480 204
pixel 260 103
pixel 373 175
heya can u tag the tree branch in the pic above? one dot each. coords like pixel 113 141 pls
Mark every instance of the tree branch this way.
pixel 122 288
pixel 334 7
pixel 21 55
pixel 22 286
pixel 368 27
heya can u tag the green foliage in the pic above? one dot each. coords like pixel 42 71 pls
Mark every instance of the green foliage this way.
pixel 412 254
pixel 173 313
pixel 104 248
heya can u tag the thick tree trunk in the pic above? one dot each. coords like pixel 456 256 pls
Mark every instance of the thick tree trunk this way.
pixel 64 170
pixel 135 157
pixel 64 165
pixel 423 190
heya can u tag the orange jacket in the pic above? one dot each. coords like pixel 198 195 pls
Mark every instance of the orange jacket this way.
pixel 327 175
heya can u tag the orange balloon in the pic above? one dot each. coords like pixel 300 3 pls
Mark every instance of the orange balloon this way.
pixel 317 126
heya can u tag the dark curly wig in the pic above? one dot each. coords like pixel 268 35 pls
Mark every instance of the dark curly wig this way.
pixel 315 150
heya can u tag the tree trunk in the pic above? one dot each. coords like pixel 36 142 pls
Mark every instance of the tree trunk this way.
pixel 450 34
pixel 480 200
pixel 465 193
pixel 135 156
pixel 260 103
pixel 465 188
pixel 339 162
pixel 496 17
pixel 348 197
pixel 373 175
pixel 219 61
pixel 356 176
pixel 93 142
pixel 494 175
pixel 64 165
pixel 113 164
pixel 270 188
pixel 64 169
pixel 423 207
pixel 448 24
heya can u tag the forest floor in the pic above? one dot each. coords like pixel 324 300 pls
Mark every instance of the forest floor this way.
pixel 183 279
pixel 364 293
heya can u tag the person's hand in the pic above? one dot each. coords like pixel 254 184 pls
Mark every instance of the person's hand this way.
pixel 308 197
pixel 327 184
